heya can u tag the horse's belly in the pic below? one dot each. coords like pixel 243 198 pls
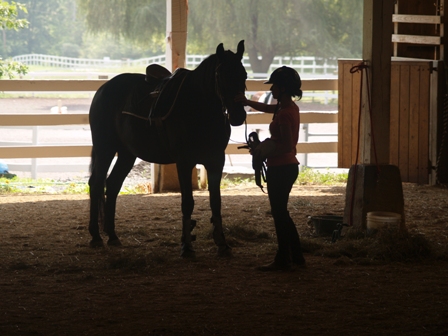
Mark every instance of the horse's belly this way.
pixel 144 140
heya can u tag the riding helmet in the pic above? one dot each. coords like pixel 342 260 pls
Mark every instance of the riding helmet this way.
pixel 288 78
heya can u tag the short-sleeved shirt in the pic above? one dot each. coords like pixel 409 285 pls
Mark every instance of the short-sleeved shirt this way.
pixel 285 116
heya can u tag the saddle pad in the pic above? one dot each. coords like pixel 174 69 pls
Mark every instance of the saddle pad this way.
pixel 168 93
pixel 139 101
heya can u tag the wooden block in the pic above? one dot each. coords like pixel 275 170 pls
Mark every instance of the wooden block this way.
pixel 373 188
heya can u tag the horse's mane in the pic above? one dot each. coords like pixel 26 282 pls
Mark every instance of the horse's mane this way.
pixel 206 73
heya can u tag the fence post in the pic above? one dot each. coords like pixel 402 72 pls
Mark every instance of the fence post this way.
pixel 303 157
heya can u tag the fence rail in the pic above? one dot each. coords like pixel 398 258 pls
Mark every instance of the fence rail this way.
pixel 305 65
pixel 58 151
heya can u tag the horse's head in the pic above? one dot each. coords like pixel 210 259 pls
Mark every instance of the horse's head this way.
pixel 230 81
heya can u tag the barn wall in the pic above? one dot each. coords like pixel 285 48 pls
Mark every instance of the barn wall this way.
pixel 410 109
pixel 418 7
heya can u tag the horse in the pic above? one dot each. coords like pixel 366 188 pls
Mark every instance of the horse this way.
pixel 182 118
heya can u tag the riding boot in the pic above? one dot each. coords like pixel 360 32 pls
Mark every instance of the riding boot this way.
pixel 187 247
pixel 283 256
pixel 224 250
pixel 295 245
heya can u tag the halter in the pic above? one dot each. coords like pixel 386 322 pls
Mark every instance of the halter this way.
pixel 218 91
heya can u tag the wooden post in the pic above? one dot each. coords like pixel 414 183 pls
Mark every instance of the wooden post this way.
pixel 176 33
pixel 374 185
pixel 377 53
pixel 176 42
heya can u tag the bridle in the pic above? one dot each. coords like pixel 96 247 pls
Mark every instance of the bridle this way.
pixel 220 83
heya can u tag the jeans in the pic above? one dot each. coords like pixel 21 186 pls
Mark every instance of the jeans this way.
pixel 280 180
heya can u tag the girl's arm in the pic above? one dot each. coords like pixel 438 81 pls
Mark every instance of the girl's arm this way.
pixel 267 108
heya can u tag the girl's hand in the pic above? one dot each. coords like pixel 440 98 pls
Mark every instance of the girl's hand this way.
pixel 241 98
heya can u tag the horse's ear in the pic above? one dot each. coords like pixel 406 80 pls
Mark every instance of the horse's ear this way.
pixel 240 50
pixel 220 51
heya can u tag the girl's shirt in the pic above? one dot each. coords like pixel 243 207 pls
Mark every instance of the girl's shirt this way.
pixel 289 116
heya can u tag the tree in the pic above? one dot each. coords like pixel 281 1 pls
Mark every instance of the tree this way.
pixel 9 20
pixel 139 21
pixel 323 28
pixel 54 29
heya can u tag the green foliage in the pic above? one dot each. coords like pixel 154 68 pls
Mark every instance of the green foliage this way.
pixel 54 26
pixel 312 176
pixel 228 182
pixel 323 28
pixel 9 20
pixel 135 20
pixel 11 68
pixel 48 186
pixel 45 186
pixel 9 16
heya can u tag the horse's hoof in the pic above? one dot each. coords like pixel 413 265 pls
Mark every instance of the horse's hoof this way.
pixel 188 253
pixel 114 242
pixel 96 243
pixel 225 251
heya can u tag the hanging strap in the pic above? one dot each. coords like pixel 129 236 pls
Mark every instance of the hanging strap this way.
pixel 362 67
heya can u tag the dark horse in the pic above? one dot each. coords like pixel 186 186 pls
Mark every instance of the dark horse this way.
pixel 187 121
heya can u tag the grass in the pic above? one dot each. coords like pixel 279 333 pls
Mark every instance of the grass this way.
pixel 28 186
pixel 310 176
pixel 18 185
pixel 47 186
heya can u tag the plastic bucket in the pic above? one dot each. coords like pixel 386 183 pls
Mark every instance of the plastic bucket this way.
pixel 378 220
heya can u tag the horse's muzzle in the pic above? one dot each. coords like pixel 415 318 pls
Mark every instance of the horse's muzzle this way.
pixel 237 113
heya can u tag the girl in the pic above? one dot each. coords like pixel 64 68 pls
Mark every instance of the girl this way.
pixel 282 164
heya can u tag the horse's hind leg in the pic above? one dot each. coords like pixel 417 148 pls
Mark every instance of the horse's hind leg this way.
pixel 99 166
pixel 121 169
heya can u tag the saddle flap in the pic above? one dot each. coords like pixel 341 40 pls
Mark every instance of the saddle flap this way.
pixel 156 100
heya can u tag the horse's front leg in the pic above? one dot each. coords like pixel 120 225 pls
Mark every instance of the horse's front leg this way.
pixel 214 174
pixel 184 173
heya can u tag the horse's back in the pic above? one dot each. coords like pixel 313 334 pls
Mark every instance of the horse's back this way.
pixel 112 94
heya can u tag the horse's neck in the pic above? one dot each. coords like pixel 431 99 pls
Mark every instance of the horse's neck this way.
pixel 204 77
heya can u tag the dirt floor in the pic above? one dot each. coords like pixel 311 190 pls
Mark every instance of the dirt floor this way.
pixel 53 283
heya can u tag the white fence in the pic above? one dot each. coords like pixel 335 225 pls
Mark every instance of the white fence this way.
pixel 306 66
pixel 34 150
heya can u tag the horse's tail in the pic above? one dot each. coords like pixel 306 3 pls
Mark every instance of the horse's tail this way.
pixel 98 194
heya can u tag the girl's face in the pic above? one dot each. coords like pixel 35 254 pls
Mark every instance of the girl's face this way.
pixel 276 91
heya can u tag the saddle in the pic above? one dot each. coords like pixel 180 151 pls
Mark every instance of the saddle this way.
pixel 155 99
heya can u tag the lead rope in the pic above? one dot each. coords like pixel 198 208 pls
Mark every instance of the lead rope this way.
pixel 359 68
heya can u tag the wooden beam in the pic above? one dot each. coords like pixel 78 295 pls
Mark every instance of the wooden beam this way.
pixel 416 39
pixel 51 85
pixel 305 117
pixel 377 52
pixel 176 33
pixel 303 147
pixel 43 119
pixel 307 85
pixel 176 44
pixel 94 84
pixel 425 19
pixel 19 152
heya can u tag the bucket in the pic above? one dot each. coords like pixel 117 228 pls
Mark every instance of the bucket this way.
pixel 324 226
pixel 379 220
